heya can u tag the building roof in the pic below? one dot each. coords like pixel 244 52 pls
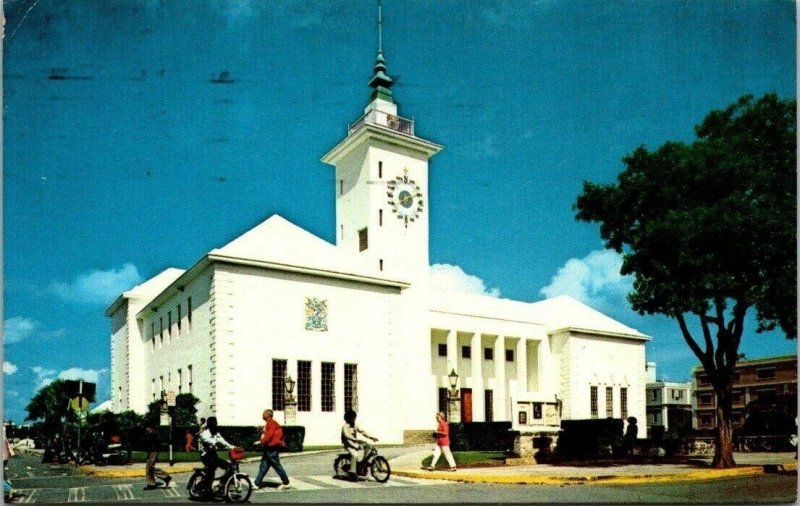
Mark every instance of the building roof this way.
pixel 148 289
pixel 557 313
pixel 757 361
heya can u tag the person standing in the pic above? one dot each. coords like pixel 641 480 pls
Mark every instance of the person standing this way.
pixel 189 441
pixel 272 442
pixel 152 443
pixel 442 435
pixel 631 433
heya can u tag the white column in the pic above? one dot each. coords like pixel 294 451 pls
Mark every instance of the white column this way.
pixel 522 365
pixel 452 352
pixel 500 399
pixel 478 414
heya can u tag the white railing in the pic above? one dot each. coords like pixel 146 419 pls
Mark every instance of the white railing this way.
pixel 384 119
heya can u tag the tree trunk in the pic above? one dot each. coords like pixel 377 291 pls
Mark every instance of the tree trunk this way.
pixel 723 453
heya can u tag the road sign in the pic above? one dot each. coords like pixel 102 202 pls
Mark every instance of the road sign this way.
pixel 79 404
pixel 171 398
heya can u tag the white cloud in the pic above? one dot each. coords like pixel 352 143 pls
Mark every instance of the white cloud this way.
pixel 451 278
pixel 46 376
pixel 20 328
pixel 9 368
pixel 98 287
pixel 75 373
pixel 594 280
pixel 43 377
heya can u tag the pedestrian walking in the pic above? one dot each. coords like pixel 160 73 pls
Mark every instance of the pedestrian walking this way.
pixel 272 442
pixel 189 441
pixel 442 435
pixel 152 443
pixel 631 433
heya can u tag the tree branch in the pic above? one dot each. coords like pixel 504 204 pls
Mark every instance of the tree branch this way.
pixel 687 336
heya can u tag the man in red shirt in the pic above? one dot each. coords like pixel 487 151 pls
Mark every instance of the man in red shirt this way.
pixel 442 434
pixel 272 441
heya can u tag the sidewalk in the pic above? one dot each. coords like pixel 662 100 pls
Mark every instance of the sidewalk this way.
pixel 749 464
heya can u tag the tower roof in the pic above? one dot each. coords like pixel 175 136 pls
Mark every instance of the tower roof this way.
pixel 380 81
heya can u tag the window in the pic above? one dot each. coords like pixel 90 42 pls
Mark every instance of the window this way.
pixel 593 401
pixel 488 404
pixel 153 388
pixel 169 323
pixel 161 330
pixel 180 317
pixel 328 386
pixel 488 354
pixel 350 386
pixel 189 312
pixel 341 231
pixel 180 381
pixel 702 379
pixel 278 388
pixel 705 399
pixel 362 239
pixel 765 373
pixel 153 334
pixel 380 170
pixel 654 394
pixel 736 396
pixel 341 187
pixel 303 385
pixel 623 403
pixel 380 264
pixel 443 401
pixel 656 418
pixel 609 401
pixel 119 396
pixel 380 217
pixel 509 355
pixel 677 394
pixel 442 349
pixel 161 383
pixel 466 352
pixel 189 372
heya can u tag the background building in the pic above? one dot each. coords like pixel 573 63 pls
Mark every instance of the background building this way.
pixel 753 379
pixel 669 404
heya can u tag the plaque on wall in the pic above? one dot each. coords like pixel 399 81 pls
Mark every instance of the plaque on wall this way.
pixel 523 418
pixel 551 414
pixel 537 410
pixel 316 313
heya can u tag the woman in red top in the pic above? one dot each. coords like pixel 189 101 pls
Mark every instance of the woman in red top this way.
pixel 442 434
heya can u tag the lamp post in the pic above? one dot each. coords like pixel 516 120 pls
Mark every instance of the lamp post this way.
pixel 453 400
pixel 290 407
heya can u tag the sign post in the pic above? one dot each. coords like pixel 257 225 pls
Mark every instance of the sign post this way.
pixel 170 410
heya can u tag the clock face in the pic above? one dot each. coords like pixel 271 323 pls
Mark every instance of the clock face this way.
pixel 405 197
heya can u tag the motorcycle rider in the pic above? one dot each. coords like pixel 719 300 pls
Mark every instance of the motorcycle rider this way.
pixel 209 439
pixel 352 442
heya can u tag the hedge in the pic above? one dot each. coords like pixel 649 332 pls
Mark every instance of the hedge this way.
pixel 486 436
pixel 581 438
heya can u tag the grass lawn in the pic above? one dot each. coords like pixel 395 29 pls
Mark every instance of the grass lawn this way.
pixel 470 459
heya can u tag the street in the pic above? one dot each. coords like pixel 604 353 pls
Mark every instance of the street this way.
pixel 312 482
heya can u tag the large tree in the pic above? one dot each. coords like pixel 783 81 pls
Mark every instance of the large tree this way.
pixel 708 230
pixel 50 404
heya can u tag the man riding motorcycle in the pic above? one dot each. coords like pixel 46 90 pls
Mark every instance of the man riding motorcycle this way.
pixel 209 439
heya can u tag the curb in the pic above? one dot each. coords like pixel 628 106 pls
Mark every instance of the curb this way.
pixel 520 479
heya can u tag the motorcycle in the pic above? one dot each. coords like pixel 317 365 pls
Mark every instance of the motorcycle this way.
pixel 101 453
pixel 374 463
pixel 232 486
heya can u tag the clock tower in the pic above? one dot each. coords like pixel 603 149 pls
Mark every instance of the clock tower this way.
pixel 381 185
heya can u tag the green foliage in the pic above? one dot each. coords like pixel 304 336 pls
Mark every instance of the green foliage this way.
pixel 771 414
pixel 50 404
pixel 184 413
pixel 710 226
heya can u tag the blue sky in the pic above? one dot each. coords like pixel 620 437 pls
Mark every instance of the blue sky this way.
pixel 122 157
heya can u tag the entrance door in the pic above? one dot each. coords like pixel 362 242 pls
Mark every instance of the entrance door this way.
pixel 466 404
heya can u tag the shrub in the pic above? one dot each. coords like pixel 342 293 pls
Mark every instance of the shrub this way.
pixel 484 436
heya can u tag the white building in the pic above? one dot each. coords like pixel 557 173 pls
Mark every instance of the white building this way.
pixel 669 403
pixel 357 324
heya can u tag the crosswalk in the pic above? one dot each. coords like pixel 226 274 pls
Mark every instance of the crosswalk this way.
pixel 121 492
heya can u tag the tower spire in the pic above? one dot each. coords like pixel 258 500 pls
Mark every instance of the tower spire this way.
pixel 380 82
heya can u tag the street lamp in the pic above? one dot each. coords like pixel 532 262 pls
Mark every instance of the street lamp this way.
pixel 289 382
pixel 290 405
pixel 453 402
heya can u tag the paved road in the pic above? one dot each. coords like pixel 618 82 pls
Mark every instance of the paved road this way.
pixel 312 482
